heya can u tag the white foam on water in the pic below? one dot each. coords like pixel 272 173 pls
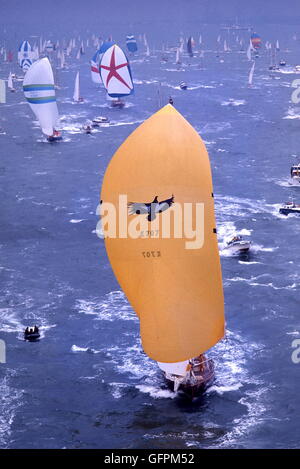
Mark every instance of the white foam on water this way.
pixel 10 321
pixel 232 374
pixel 252 281
pixel 117 124
pixel 117 389
pixel 113 306
pixel 76 349
pixel 249 262
pixel 230 206
pixel 76 221
pixel 156 392
pixel 234 102
pixel 292 113
pixel 222 389
pixel 10 401
pixel 214 127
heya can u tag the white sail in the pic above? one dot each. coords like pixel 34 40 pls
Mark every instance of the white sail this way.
pixel 76 95
pixel 250 79
pixel 38 86
pixel 62 59
pixel 2 92
pixel 249 51
pixel 181 45
pixel 178 61
pixel 178 368
pixel 147 51
pixel 10 82
pixel 24 52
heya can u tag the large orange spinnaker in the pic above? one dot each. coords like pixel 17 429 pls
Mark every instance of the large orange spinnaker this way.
pixel 176 291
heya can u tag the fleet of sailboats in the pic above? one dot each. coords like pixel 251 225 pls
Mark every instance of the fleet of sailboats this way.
pixel 179 320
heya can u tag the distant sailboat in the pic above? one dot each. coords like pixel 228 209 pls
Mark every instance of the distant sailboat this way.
pixel 255 40
pixel 189 46
pixel 174 288
pixel 95 74
pixel 38 86
pixel 10 84
pixel 249 50
pixel 2 92
pixel 116 75
pixel 25 56
pixel 62 59
pixel 131 43
pixel 76 95
pixel 147 53
pixel 250 79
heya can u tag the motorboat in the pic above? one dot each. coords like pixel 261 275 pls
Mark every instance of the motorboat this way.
pixel 100 120
pixel 289 207
pixel 238 245
pixel 295 174
pixel 87 128
pixel 31 333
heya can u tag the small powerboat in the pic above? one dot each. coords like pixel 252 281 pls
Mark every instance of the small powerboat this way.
pixel 87 128
pixel 183 86
pixel 31 333
pixel 289 207
pixel 295 174
pixel 117 103
pixel 100 120
pixel 282 63
pixel 238 245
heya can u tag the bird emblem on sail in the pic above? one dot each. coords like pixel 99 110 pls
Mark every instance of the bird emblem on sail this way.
pixel 150 209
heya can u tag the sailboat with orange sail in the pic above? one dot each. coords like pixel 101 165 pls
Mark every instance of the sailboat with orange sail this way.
pixel 163 247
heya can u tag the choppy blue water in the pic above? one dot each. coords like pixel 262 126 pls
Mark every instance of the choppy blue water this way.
pixel 87 383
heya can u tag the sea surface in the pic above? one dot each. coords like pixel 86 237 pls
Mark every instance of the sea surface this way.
pixel 87 383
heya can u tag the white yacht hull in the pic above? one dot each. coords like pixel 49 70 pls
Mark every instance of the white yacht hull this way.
pixel 242 246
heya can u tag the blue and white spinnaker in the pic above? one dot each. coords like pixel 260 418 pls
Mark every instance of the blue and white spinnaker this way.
pixel 38 86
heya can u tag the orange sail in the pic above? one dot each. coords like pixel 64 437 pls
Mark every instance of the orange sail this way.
pixel 172 276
